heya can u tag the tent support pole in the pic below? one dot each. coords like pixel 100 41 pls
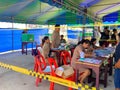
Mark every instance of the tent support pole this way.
pixel 26 25
pixel 84 22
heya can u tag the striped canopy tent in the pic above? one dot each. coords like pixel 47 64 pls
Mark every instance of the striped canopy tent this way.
pixel 113 18
pixel 58 11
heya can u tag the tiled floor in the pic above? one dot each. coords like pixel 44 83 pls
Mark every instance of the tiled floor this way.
pixel 10 80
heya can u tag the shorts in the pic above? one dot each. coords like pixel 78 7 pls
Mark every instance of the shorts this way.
pixel 117 78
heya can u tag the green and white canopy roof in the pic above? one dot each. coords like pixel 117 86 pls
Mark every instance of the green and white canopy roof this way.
pixel 56 11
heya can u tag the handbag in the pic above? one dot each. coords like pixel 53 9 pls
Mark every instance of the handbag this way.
pixel 34 52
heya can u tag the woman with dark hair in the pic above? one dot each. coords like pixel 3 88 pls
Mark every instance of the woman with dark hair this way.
pixel 43 41
pixel 93 43
pixel 80 48
pixel 46 47
pixel 80 42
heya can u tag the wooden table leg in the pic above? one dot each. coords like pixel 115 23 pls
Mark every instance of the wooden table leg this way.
pixel 97 70
pixel 26 48
pixel 105 76
pixel 32 48
pixel 58 58
pixel 22 47
pixel 111 66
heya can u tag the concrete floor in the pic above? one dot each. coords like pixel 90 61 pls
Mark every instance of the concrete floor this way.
pixel 10 80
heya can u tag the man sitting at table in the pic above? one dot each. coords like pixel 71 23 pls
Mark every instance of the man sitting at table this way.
pixel 80 48
pixel 117 67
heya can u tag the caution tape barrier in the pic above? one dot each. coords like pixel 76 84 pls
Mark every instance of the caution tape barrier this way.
pixel 107 40
pixel 47 77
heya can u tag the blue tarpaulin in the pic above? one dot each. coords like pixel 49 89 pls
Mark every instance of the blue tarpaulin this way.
pixel 10 39
pixel 72 34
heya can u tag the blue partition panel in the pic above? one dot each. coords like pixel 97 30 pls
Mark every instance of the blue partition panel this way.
pixel 72 34
pixel 10 39
pixel 5 40
pixel 17 39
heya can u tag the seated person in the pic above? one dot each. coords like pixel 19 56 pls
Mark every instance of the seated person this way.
pixel 93 43
pixel 43 41
pixel 46 48
pixel 84 72
pixel 39 46
pixel 62 40
pixel 80 42
pixel 102 46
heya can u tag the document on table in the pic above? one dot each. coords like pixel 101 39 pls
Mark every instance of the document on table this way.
pixel 91 60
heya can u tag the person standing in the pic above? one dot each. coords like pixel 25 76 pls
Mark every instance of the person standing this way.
pixel 97 35
pixel 56 37
pixel 117 67
pixel 56 42
pixel 113 37
pixel 104 37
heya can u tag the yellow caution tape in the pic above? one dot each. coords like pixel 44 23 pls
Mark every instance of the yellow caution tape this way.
pixel 47 77
pixel 107 40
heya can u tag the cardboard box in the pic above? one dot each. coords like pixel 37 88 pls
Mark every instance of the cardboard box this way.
pixel 64 71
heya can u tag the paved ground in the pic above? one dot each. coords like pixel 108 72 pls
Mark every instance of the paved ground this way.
pixel 10 80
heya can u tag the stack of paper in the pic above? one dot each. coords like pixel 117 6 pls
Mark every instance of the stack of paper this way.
pixel 102 53
pixel 91 60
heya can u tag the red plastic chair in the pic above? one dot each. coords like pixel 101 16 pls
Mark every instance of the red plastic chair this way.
pixel 65 57
pixel 41 67
pixel 35 61
pixel 53 62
